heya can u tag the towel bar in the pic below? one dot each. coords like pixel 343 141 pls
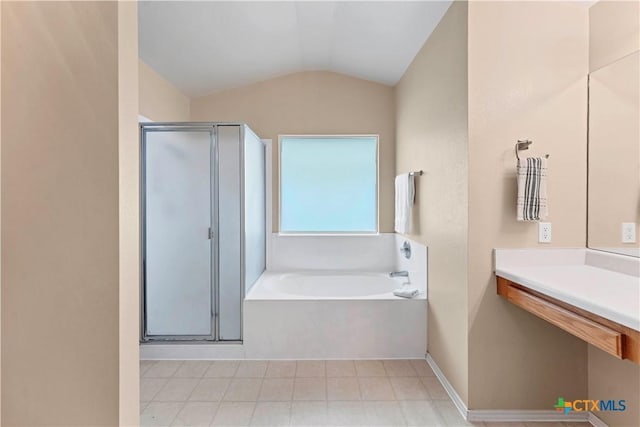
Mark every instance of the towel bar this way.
pixel 420 172
pixel 523 144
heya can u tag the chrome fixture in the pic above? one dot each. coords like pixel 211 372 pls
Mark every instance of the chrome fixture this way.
pixel 403 273
pixel 420 172
pixel 405 250
pixel 523 144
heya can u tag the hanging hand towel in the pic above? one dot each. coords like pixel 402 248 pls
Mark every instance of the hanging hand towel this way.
pixel 532 189
pixel 404 202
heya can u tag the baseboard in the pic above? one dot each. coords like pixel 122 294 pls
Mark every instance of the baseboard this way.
pixel 595 421
pixel 506 415
pixel 455 397
pixel 197 351
pixel 490 415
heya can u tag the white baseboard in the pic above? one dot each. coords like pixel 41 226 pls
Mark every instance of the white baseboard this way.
pixel 491 415
pixel 516 415
pixel 595 421
pixel 196 351
pixel 455 397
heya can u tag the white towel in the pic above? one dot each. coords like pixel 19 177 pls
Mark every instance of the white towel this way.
pixel 532 189
pixel 406 291
pixel 405 193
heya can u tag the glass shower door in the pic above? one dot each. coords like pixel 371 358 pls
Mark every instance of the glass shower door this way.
pixel 178 218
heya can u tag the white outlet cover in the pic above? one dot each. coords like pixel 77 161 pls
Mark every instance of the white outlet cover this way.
pixel 628 232
pixel 544 232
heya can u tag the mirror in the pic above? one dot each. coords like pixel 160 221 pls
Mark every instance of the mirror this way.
pixel 614 157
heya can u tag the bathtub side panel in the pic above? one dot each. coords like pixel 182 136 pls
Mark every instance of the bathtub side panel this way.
pixel 354 329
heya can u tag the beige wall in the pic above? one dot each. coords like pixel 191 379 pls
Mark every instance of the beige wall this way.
pixel 614 33
pixel 528 63
pixel 0 217
pixel 610 378
pixel 60 212
pixel 128 203
pixel 431 122
pixel 160 101
pixel 313 103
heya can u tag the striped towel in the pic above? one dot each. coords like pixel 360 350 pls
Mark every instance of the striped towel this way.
pixel 532 189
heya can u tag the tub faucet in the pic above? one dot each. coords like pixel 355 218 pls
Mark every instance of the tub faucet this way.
pixel 402 273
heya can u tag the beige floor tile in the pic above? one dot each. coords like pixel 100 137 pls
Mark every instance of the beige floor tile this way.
pixel 340 368
pixel 198 414
pixel 276 389
pixel 149 387
pixel 310 368
pixel 434 388
pixel 271 414
pixel 376 388
pixel 281 369
pixel 309 414
pixel 251 369
pixel 210 390
pixel 163 369
pixel 234 414
pixel 409 388
pixel 346 413
pixel 192 369
pixel 176 390
pixel 450 414
pixel 160 413
pixel 222 369
pixel 310 389
pixel 243 390
pixel 370 368
pixel 421 413
pixel 383 414
pixel 399 368
pixel 422 368
pixel 145 365
pixel 343 388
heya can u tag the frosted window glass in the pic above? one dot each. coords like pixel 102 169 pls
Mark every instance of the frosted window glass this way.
pixel 328 184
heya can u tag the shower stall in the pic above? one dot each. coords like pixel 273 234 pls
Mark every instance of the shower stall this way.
pixel 203 228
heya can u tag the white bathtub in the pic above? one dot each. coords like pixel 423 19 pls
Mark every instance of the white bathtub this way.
pixel 333 315
pixel 329 285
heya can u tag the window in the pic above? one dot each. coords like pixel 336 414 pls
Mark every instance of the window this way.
pixel 328 184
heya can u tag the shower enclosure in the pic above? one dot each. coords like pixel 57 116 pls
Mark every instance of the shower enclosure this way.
pixel 203 228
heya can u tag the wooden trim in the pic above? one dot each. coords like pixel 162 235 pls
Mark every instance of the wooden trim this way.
pixel 614 338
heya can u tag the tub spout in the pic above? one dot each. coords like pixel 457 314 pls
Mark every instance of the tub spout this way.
pixel 403 273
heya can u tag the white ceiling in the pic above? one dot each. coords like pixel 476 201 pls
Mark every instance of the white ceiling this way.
pixel 204 47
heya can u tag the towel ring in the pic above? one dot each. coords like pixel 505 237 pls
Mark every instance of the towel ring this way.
pixel 523 144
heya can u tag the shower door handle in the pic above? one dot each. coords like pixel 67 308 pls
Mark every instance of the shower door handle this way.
pixel 210 233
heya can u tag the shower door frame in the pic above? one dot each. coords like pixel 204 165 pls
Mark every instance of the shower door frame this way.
pixel 212 128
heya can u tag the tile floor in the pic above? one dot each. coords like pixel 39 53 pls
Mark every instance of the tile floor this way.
pixel 302 393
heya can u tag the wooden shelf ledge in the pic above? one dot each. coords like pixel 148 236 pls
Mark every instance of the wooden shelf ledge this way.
pixel 614 338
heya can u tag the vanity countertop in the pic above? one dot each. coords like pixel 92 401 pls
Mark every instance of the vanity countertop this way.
pixel 614 296
pixel 571 276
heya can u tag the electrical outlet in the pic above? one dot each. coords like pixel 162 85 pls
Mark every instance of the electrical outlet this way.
pixel 628 232
pixel 544 232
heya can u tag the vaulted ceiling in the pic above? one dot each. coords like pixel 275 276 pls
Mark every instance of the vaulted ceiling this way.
pixel 204 47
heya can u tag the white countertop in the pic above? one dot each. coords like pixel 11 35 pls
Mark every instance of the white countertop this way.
pixel 570 279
